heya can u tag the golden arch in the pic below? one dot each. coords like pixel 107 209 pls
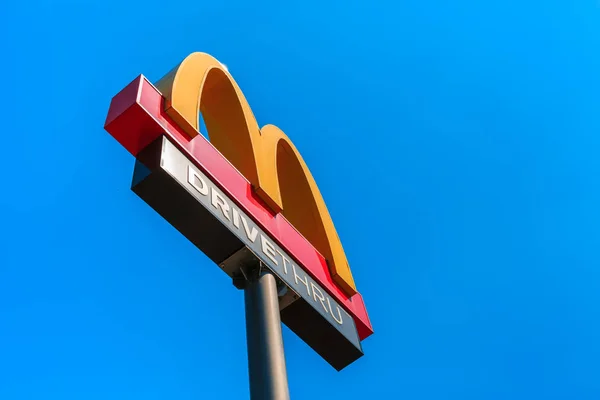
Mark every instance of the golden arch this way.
pixel 266 157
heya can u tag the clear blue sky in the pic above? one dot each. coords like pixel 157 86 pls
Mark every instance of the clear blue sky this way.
pixel 456 145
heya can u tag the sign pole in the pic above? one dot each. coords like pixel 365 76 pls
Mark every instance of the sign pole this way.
pixel 266 359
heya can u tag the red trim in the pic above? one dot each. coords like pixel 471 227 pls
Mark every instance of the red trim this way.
pixel 136 117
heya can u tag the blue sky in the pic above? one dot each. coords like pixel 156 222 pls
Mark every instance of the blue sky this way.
pixel 456 145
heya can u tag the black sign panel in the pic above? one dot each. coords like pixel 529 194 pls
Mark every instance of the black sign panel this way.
pixel 191 202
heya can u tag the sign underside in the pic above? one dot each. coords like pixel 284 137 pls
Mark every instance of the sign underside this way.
pixel 188 199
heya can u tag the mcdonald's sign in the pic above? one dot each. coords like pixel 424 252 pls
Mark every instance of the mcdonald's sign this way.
pixel 245 194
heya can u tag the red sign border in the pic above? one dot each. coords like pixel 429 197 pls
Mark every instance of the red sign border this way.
pixel 136 117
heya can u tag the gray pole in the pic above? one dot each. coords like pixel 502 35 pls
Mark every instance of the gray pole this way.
pixel 266 360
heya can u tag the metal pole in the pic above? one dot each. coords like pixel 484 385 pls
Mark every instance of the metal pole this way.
pixel 266 359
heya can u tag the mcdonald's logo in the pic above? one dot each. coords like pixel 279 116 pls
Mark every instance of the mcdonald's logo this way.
pixel 259 169
pixel 266 157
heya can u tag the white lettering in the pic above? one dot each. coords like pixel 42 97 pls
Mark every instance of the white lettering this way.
pixel 340 321
pixel 250 233
pixel 320 295
pixel 236 217
pixel 194 178
pixel 268 249
pixel 284 261
pixel 305 281
pixel 219 202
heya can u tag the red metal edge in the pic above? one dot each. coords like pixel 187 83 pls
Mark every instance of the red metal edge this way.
pixel 136 117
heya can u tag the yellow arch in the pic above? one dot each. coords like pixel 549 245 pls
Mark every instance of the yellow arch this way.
pixel 267 157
